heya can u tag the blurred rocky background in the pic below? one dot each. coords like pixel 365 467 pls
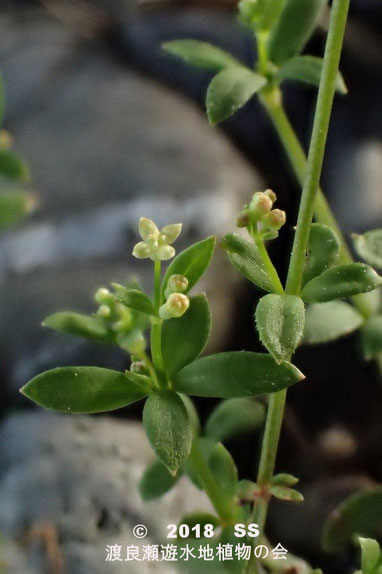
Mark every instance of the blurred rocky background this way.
pixel 113 129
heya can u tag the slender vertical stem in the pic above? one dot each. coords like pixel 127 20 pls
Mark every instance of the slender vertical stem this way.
pixel 318 142
pixel 156 329
pixel 312 177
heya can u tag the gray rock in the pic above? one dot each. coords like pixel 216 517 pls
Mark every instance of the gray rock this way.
pixel 79 477
pixel 105 146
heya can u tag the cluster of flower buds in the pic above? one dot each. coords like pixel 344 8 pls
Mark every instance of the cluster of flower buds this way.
pixel 156 244
pixel 260 216
pixel 120 320
pixel 177 302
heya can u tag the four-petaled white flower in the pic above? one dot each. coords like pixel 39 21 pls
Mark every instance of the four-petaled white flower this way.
pixel 156 243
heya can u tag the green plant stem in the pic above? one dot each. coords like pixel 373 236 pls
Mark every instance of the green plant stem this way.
pixel 312 174
pixel 272 102
pixel 269 267
pixel 318 142
pixel 156 329
pixel 218 499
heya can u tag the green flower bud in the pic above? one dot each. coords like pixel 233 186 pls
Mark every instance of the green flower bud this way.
pixel 103 311
pixel 103 296
pixel 271 194
pixel 176 284
pixel 275 219
pixel 260 205
pixel 147 228
pixel 175 306
pixel 243 219
pixel 170 233
pixel 142 250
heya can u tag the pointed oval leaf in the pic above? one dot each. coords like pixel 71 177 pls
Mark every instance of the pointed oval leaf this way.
pixel 14 207
pixel 79 325
pixel 223 469
pixel 360 514
pixel 286 494
pixel 231 89
pixel 192 263
pixel 370 555
pixel 183 339
pixel 280 322
pixel 307 69
pixel 12 166
pixel 234 417
pixel 322 253
pixel 156 481
pixel 245 257
pixel 326 322
pixel 82 390
pixel 237 374
pixel 340 282
pixel 138 301
pixel 284 479
pixel 168 428
pixel 371 337
pixel 201 54
pixel 369 247
pixel 294 28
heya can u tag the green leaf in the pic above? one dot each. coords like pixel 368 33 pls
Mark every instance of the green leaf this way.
pixel 370 555
pixel 184 338
pixel 231 89
pixel 237 374
pixel 201 54
pixel 280 322
pixel 307 69
pixel 322 253
pixel 340 282
pixel 14 207
pixel 192 263
pixel 79 325
pixel 284 479
pixel 234 417
pixel 371 337
pixel 326 322
pixel 245 257
pixel 287 494
pixel 199 519
pixel 156 481
pixel 294 28
pixel 360 514
pixel 168 428
pixel 12 166
pixel 224 469
pixel 369 247
pixel 82 390
pixel 138 301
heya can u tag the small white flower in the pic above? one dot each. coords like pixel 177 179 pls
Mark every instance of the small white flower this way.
pixel 176 284
pixel 156 244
